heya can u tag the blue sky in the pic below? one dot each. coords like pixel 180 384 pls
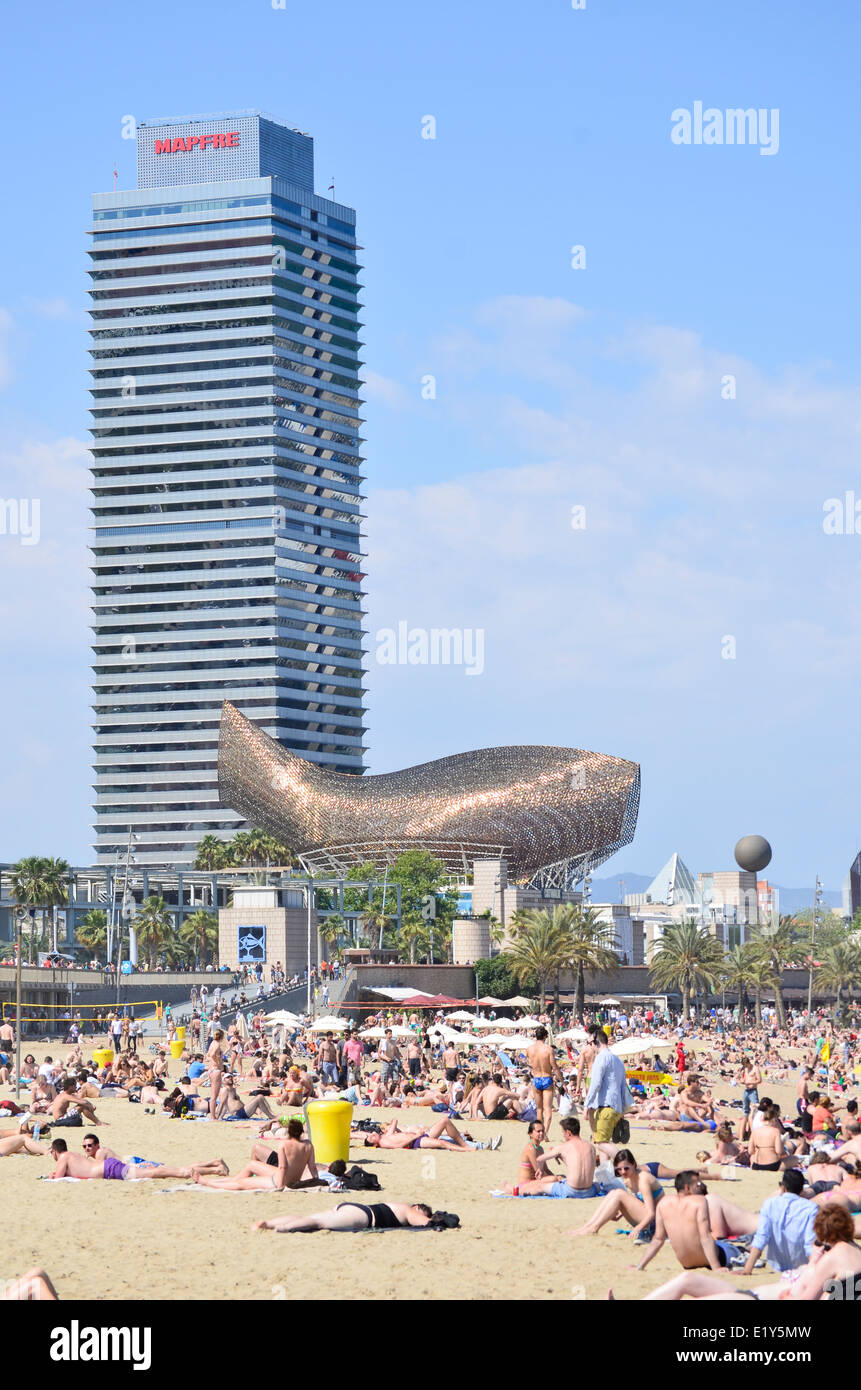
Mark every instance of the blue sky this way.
pixel 555 387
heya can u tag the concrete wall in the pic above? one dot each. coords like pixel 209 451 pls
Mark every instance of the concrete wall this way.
pixel 286 934
pixel 470 938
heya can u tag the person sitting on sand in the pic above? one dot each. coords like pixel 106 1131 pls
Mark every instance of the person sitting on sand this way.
pixel 231 1107
pixel 70 1165
pixel 353 1216
pixel 292 1163
pixel 635 1202
pixel 834 1260
pixel 529 1170
pixel 726 1150
pixel 683 1219
pixel 60 1108
pixel 579 1158
pixel 442 1135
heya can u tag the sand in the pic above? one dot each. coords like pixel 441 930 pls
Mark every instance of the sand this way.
pixel 137 1241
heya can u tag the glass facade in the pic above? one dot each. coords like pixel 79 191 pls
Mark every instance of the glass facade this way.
pixel 227 477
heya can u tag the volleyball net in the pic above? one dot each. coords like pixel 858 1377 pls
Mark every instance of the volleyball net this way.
pixel 88 1016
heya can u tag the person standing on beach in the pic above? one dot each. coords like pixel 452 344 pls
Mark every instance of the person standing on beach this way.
pixel 608 1097
pixel 543 1063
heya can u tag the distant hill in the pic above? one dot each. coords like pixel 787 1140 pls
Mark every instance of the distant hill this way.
pixel 606 890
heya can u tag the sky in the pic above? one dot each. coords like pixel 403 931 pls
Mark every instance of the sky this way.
pixel 621 464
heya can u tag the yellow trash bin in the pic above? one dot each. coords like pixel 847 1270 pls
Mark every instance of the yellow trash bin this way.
pixel 177 1049
pixel 103 1056
pixel 180 1032
pixel 329 1128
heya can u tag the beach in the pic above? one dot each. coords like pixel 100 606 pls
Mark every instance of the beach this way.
pixel 144 1240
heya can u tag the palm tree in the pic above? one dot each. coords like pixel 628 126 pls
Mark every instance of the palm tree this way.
pixel 199 932
pixel 154 926
pixel 735 975
pixel 212 854
pixel 762 976
pixel 92 931
pixel 591 946
pixel 412 935
pixel 780 948
pixel 840 965
pixel 375 921
pixel 687 956
pixel 40 882
pixel 539 945
pixel 177 952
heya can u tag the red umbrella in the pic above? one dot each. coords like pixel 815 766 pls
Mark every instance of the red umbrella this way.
pixel 434 1001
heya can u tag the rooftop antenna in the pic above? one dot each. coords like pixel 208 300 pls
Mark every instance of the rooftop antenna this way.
pixel 331 188
pixel 115 178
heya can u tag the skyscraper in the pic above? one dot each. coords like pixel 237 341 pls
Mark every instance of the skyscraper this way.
pixel 226 475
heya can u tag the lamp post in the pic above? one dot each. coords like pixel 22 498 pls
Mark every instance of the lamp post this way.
pixel 308 895
pixel 125 911
pixel 19 915
pixel 817 899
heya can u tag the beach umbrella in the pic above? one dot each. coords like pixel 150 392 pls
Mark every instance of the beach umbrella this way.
pixel 489 1002
pixel 284 1016
pixel 609 1002
pixel 629 1047
pixel 242 1027
pixel 323 1025
pixel 575 1035
pixel 518 1002
pixel 499 1024
pixel 461 1016
pixel 518 1043
pixel 398 1031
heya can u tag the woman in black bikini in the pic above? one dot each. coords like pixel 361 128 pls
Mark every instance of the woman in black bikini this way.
pixel 353 1216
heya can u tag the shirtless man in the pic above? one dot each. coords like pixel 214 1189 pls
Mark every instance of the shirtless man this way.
pixel 68 1096
pixel 683 1219
pixel 497 1102
pixel 229 1103
pixel 852 1148
pixel 419 1137
pixel 293 1159
pixel 579 1158
pixel 71 1165
pixel 584 1067
pixel 750 1077
pixel 543 1064
pixel 451 1062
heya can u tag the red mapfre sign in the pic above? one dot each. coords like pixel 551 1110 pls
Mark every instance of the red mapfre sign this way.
pixel 198 142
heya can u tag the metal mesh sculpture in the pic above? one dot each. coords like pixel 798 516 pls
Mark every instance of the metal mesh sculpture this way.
pixel 547 811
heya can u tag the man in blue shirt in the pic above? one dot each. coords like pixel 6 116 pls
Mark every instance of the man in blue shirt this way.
pixel 196 1069
pixel 608 1097
pixel 785 1227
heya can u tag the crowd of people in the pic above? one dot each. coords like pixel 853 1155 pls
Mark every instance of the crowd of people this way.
pixel 710 1079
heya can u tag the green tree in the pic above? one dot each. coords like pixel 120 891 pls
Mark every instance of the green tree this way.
pixel 735 974
pixel 497 980
pixel 687 957
pixel 591 945
pixel 153 926
pixel 539 944
pixel 839 967
pixel 92 931
pixel 212 854
pixel 40 882
pixel 199 931
pixel 779 947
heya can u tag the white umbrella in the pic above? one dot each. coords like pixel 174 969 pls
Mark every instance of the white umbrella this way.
pixel 498 1024
pixel 323 1025
pixel 242 1027
pixel 397 1032
pixel 629 1047
pixel 608 1002
pixel 575 1034
pixel 283 1016
pixel 461 1016
pixel 451 1035
pixel 519 1043
pixel 489 1001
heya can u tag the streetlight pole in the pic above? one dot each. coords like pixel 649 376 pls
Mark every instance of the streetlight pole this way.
pixel 18 943
pixel 817 897
pixel 308 892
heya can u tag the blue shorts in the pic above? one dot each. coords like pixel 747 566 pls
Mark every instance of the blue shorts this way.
pixel 749 1097
pixel 542 1083
pixel 564 1189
